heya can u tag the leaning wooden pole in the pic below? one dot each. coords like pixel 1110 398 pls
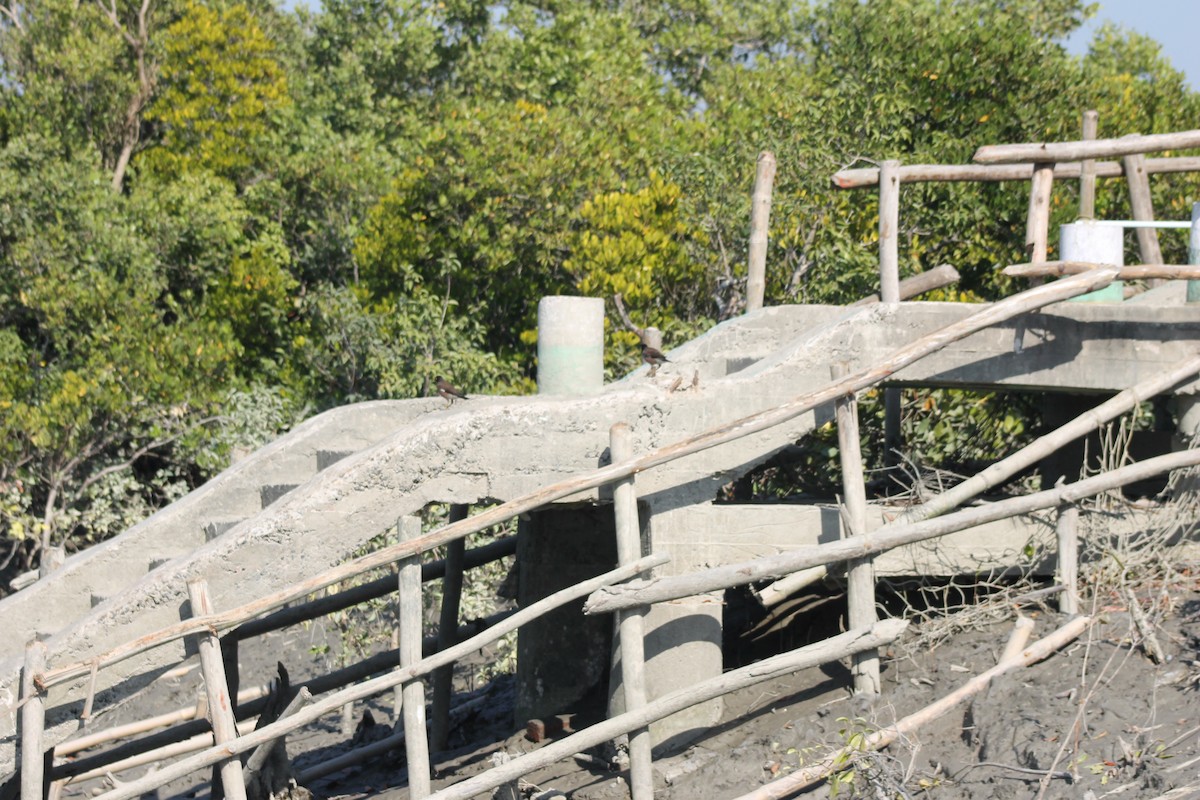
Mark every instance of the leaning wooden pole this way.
pixel 443 677
pixel 770 668
pixel 661 590
pixel 860 572
pixel 416 743
pixel 220 707
pixel 1041 649
pixel 33 723
pixel 995 313
pixel 1142 207
pixel 760 223
pixel 631 628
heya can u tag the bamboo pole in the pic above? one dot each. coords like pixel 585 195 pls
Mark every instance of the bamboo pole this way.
pixel 1087 168
pixel 1017 638
pixel 889 231
pixel 33 722
pixel 997 173
pixel 220 708
pixel 1037 228
pixel 410 615
pixel 1077 151
pixel 1067 533
pixel 926 281
pixel 992 314
pixel 768 669
pixel 1057 268
pixel 775 593
pixel 660 590
pixel 860 572
pixel 1041 649
pixel 631 629
pixel 181 748
pixel 443 677
pixel 1143 207
pixel 760 223
pixel 377 685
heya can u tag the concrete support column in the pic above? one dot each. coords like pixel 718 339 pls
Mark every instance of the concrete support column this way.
pixel 1193 287
pixel 570 345
pixel 1102 244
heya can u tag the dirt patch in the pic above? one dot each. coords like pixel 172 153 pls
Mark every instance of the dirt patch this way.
pixel 1097 717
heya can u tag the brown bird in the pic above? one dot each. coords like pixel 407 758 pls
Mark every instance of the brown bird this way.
pixel 653 356
pixel 447 390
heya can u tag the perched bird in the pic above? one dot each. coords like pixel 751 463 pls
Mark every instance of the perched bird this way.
pixel 653 356
pixel 447 390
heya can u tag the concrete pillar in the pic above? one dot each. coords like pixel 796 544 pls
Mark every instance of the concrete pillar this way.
pixel 570 345
pixel 1102 244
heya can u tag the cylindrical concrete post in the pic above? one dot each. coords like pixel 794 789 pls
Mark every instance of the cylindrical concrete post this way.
pixel 1100 244
pixel 1193 287
pixel 570 345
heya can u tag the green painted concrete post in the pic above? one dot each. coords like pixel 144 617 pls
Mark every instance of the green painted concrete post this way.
pixel 1101 244
pixel 570 345
pixel 1193 287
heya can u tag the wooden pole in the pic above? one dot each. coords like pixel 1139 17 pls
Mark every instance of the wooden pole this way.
pixel 220 706
pixel 1087 169
pixel 998 173
pixel 1037 228
pixel 1017 638
pixel 1077 151
pixel 1143 207
pixel 988 315
pixel 889 231
pixel 1055 268
pixel 760 223
pixel 926 281
pixel 443 677
pixel 33 723
pixel 416 743
pixel 631 629
pixel 1043 648
pixel 374 686
pixel 768 669
pixel 660 590
pixel 1067 533
pixel 860 572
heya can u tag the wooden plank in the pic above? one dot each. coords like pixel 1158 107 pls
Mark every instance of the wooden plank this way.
pixel 220 705
pixel 416 742
pixel 860 572
pixel 1077 151
pixel 631 627
pixel 760 224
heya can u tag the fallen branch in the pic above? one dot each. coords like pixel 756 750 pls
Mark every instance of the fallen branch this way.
pixel 1043 648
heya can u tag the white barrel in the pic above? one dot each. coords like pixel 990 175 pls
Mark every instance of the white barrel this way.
pixel 570 345
pixel 1100 244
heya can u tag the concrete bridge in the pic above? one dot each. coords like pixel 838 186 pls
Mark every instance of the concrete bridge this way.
pixel 309 499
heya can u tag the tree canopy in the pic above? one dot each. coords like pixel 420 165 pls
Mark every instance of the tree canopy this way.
pixel 218 217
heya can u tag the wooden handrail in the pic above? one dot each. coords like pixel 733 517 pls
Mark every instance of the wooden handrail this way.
pixel 990 173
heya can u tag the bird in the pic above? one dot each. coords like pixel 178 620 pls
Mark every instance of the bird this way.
pixel 447 390
pixel 653 356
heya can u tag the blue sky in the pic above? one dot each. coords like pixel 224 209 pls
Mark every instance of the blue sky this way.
pixel 1175 24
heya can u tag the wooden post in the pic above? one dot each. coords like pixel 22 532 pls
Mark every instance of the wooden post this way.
pixel 220 706
pixel 443 677
pixel 760 223
pixel 416 744
pixel 889 225
pixel 33 723
pixel 1087 169
pixel 1143 209
pixel 631 626
pixel 1068 558
pixel 1037 227
pixel 860 572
